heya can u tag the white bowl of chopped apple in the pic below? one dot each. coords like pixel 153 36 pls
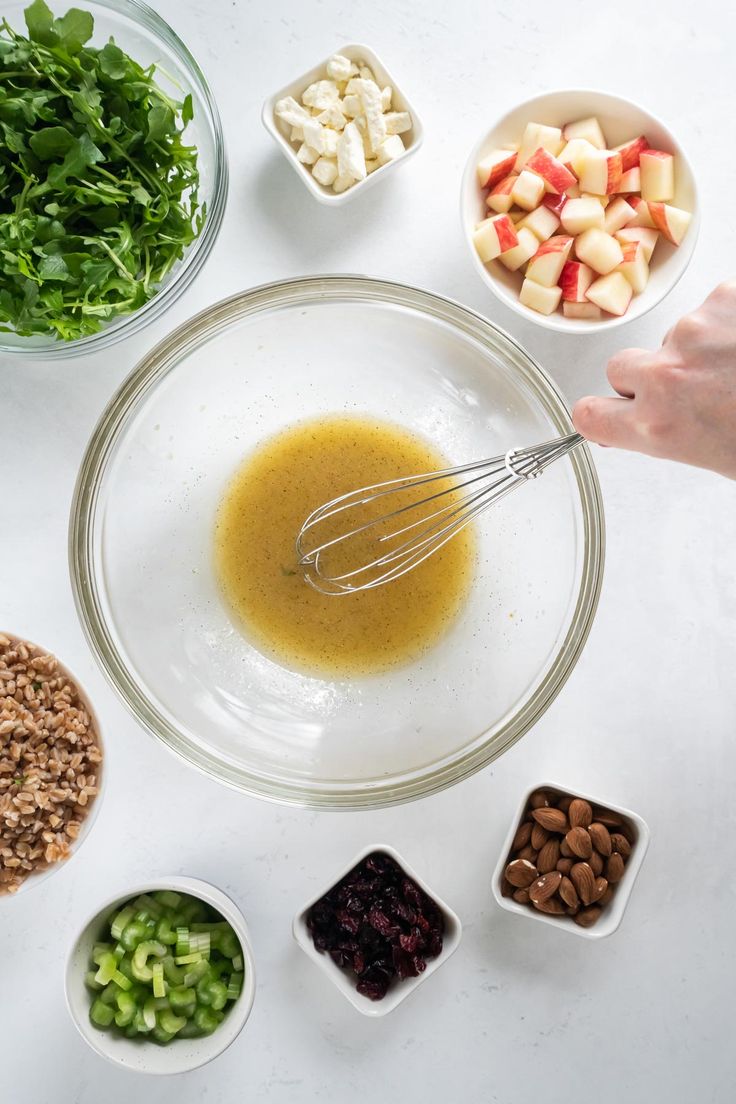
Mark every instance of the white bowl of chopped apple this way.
pixel 580 210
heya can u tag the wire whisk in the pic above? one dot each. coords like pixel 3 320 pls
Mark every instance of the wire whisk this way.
pixel 377 545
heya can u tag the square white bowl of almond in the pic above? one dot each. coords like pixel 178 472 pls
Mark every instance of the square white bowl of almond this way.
pixel 344 124
pixel 580 210
pixel 343 977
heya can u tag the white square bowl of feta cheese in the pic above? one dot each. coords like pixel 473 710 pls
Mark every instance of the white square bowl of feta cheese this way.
pixel 344 124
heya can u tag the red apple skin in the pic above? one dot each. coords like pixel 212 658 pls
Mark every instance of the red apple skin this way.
pixel 615 172
pixel 500 170
pixel 658 215
pixel 504 186
pixel 557 244
pixel 555 202
pixel 552 171
pixel 571 282
pixel 631 152
pixel 505 232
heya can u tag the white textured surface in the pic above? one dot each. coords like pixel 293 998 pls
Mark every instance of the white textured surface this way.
pixel 521 1013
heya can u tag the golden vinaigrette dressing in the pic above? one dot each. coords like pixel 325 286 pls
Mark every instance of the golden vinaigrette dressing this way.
pixel 260 516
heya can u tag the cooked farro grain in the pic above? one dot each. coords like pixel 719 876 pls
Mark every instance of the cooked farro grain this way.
pixel 50 762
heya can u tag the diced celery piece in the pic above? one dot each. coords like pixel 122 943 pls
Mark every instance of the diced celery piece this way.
pixel 238 963
pixel 173 974
pixel 170 1022
pixel 185 959
pixel 220 925
pixel 182 941
pixel 159 985
pixel 149 1013
pixel 144 903
pixel 195 973
pixel 164 932
pixel 108 967
pixel 182 1000
pixel 190 1031
pixel 149 948
pixel 140 1023
pixel 121 921
pixel 206 1020
pixel 161 1036
pixel 133 934
pixel 109 994
pixel 99 950
pixel 235 986
pixel 101 1014
pixel 218 995
pixel 119 951
pixel 90 980
pixel 169 898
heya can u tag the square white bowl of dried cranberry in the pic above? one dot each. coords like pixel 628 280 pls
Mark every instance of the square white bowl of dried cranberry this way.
pixel 346 980
pixel 612 914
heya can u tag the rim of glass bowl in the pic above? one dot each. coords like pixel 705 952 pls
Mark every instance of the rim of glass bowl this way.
pixel 102 448
pixel 196 254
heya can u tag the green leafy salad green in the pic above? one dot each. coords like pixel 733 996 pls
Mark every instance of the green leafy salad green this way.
pixel 98 192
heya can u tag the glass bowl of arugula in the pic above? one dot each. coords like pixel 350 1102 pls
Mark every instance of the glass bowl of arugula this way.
pixel 113 173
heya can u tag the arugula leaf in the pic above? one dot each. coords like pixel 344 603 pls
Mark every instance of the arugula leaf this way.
pixel 98 191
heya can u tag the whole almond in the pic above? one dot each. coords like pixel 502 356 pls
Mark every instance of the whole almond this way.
pixel 565 866
pixel 568 893
pixel 607 896
pixel 612 821
pixel 521 896
pixel 580 813
pixel 548 856
pixel 507 890
pixel 579 842
pixel 587 917
pixel 539 799
pixel 596 863
pixel 601 838
pixel 621 845
pixel 539 836
pixel 521 873
pixel 564 802
pixel 551 906
pixel 529 853
pixel 522 837
pixel 614 867
pixel 554 820
pixel 545 887
pixel 601 885
pixel 583 879
pixel 565 850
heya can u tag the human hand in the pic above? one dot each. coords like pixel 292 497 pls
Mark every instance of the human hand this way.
pixel 678 402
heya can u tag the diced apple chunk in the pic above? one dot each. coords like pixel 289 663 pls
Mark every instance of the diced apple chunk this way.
pixel 528 245
pixel 630 151
pixel 575 279
pixel 554 202
pixel 546 265
pixel 611 293
pixel 542 299
pixel 634 266
pixel 494 236
pixel 499 198
pixel 599 250
pixel 642 216
pixel 600 171
pixel 581 310
pixel 495 167
pixel 618 214
pixel 554 174
pixel 581 214
pixel 542 222
pixel 528 190
pixel 631 180
pixel 589 129
pixel 572 151
pixel 643 234
pixel 657 175
pixel 536 135
pixel 671 221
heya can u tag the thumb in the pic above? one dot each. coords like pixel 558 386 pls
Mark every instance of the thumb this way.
pixel 606 421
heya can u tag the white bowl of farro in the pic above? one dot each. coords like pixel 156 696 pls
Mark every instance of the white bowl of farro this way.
pixel 51 757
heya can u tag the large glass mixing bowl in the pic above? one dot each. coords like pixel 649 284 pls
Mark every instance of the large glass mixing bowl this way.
pixel 141 543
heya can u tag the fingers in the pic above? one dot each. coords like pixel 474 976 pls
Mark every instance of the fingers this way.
pixel 606 421
pixel 625 370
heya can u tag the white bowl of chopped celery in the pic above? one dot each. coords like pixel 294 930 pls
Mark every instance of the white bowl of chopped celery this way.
pixel 161 978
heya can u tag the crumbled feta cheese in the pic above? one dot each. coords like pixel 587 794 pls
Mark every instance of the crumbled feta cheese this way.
pixel 291 112
pixel 325 171
pixel 321 94
pixel 352 106
pixel 314 135
pixel 366 72
pixel 397 122
pixel 340 68
pixel 333 117
pixel 306 154
pixel 390 149
pixel 386 95
pixel 342 183
pixel 330 139
pixel 350 153
pixel 371 165
pixel 297 134
pixel 370 97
